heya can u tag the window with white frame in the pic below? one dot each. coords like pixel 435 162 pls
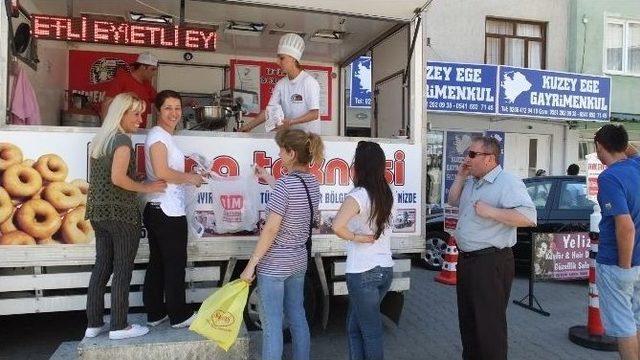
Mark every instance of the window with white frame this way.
pixel 622 46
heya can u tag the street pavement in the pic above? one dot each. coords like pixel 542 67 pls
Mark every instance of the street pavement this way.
pixel 428 328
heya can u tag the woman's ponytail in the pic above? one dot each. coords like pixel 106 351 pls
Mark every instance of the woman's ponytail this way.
pixel 308 147
pixel 316 149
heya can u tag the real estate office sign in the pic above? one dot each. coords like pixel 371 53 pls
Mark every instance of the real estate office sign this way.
pixel 511 91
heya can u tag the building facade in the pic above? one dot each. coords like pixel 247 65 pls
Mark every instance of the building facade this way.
pixel 604 39
pixel 527 34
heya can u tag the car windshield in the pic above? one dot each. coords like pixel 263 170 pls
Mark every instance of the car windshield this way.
pixel 573 196
pixel 539 192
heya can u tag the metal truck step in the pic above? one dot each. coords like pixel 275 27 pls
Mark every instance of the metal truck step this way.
pixel 162 342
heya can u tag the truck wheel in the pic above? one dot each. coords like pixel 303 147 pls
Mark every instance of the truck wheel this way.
pixel 252 310
pixel 392 305
pixel 436 246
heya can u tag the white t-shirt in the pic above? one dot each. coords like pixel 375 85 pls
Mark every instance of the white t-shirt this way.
pixel 172 200
pixel 297 97
pixel 363 257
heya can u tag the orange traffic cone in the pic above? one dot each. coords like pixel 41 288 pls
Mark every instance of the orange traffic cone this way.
pixel 594 324
pixel 592 336
pixel 448 273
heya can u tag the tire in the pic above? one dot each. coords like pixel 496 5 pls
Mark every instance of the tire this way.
pixel 436 245
pixel 252 310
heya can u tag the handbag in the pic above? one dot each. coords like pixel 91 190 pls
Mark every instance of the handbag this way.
pixel 311 215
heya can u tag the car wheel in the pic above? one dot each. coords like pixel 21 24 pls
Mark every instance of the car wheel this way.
pixel 436 245
pixel 252 311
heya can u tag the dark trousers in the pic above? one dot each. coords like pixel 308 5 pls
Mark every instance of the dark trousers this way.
pixel 116 249
pixel 163 292
pixel 483 289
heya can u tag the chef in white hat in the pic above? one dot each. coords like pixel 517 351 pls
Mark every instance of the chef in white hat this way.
pixel 298 93
pixel 138 81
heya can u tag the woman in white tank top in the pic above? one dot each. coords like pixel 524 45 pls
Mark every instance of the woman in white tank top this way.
pixel 364 220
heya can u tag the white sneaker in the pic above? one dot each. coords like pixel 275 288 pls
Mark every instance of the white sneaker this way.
pixel 185 323
pixel 92 332
pixel 158 322
pixel 133 331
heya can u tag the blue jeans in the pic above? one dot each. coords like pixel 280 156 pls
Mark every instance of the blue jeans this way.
pixel 364 321
pixel 283 295
pixel 619 291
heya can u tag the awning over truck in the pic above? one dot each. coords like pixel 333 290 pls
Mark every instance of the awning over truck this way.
pixel 398 10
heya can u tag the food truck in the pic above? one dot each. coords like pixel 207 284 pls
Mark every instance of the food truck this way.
pixel 220 56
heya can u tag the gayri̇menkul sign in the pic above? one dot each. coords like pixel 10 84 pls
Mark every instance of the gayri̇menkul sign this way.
pixel 469 88
pixel 511 91
pixel 549 94
pixel 85 29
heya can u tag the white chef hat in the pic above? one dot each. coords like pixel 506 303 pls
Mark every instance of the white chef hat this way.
pixel 147 59
pixel 292 45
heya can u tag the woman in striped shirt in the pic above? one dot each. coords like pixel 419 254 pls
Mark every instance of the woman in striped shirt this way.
pixel 280 256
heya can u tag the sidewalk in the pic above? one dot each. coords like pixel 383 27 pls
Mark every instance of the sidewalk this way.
pixel 428 329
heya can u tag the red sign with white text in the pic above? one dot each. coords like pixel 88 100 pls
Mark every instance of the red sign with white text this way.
pixel 92 71
pixel 85 29
pixel 232 202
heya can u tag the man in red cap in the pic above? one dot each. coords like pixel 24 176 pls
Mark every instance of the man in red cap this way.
pixel 138 81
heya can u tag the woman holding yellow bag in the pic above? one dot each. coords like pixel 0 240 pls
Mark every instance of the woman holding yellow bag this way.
pixel 280 255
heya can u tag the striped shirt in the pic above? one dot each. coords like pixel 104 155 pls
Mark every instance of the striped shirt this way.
pixel 288 255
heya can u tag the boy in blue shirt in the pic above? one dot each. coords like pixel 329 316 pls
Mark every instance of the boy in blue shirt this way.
pixel 618 260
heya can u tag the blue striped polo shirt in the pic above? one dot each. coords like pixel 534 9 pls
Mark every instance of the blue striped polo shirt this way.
pixel 288 255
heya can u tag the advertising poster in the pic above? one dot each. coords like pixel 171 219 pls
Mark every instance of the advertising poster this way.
pixel 512 91
pixel 548 94
pixel 360 93
pixel 465 88
pixel 457 143
pixel 561 256
pixel 90 72
pixel 498 135
pixel 245 200
pixel 594 169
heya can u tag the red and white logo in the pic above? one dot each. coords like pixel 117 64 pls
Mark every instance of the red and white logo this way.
pixel 232 202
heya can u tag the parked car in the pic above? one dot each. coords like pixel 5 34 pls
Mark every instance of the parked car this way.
pixel 436 239
pixel 562 206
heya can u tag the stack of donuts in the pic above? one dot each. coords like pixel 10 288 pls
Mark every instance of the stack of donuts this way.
pixel 37 204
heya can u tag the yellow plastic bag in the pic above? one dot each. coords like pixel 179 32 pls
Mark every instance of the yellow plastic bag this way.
pixel 220 315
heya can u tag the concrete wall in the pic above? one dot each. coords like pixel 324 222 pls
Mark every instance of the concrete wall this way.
pixel 564 145
pixel 456 28
pixel 624 98
pixel 455 31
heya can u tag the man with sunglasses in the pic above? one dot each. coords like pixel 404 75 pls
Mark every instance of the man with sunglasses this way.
pixel 493 204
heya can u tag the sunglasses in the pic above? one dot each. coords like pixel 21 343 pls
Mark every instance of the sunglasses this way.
pixel 472 154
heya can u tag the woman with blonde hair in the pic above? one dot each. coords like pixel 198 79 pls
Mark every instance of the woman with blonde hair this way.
pixel 280 256
pixel 113 211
